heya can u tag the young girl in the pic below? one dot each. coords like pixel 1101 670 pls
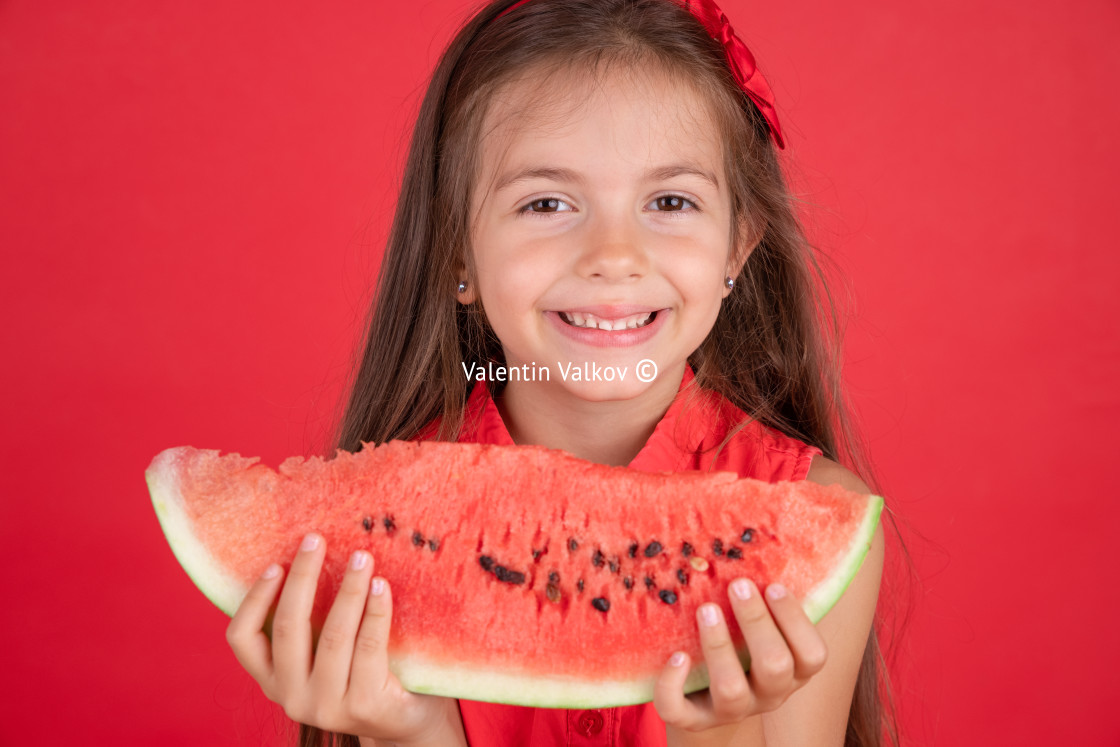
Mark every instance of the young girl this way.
pixel 594 183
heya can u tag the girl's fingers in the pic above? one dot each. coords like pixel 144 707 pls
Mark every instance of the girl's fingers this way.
pixel 784 647
pixel 668 694
pixel 291 627
pixel 728 687
pixel 802 637
pixel 333 654
pixel 370 670
pixel 771 663
pixel 245 633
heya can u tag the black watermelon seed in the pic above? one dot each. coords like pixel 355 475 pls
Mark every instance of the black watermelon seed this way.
pixel 537 554
pixel 579 584
pixel 572 544
pixel 486 562
pixel 649 583
pixel 613 564
pixel 552 591
pixel 367 523
pixel 433 544
pixel 682 576
pixel 748 535
pixel 390 525
pixel 597 559
pixel 717 547
pixel 633 550
pixel 735 553
pixel 418 539
pixel 554 577
pixel 508 576
pixel 600 604
pixel 667 596
pixel 628 582
pixel 653 548
pixel 686 549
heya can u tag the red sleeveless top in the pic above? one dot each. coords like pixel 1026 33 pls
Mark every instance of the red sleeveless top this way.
pixel 688 437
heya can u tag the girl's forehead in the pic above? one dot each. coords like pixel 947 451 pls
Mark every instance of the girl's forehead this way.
pixel 646 109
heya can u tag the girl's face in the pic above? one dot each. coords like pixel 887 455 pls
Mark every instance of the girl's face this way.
pixel 602 231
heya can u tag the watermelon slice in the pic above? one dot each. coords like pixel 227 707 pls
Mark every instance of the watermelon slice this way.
pixel 520 574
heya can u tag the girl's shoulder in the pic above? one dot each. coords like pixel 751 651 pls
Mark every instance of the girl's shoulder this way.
pixel 824 471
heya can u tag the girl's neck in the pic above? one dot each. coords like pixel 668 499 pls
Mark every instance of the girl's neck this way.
pixel 604 432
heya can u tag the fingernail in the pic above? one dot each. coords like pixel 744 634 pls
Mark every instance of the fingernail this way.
pixel 676 659
pixel 310 542
pixel 741 588
pixel 709 614
pixel 377 587
pixel 271 572
pixel 776 591
pixel 358 560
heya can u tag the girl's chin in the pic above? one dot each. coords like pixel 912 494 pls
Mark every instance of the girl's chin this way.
pixel 586 382
pixel 595 391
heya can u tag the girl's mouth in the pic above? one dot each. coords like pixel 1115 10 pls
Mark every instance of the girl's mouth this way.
pixel 590 321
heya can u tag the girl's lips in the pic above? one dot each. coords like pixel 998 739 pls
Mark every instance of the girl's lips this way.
pixel 602 338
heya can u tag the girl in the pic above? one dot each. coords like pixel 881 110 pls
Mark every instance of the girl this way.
pixel 594 182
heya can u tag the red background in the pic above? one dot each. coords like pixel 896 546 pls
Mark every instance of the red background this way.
pixel 193 199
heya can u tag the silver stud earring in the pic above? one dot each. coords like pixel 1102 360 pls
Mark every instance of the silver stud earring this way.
pixel 729 283
pixel 462 286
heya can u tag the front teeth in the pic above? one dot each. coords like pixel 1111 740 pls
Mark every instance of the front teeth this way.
pixel 590 321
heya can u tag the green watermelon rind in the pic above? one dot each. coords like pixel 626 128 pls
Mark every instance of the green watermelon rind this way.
pixel 821 599
pixel 420 675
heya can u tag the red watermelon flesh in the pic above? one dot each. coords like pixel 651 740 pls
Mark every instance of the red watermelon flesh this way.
pixel 520 574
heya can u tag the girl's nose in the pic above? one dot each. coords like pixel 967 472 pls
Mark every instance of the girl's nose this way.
pixel 613 250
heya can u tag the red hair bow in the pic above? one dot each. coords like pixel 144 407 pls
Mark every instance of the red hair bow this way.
pixel 739 59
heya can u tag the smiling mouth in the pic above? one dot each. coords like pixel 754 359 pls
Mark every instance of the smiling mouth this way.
pixel 590 321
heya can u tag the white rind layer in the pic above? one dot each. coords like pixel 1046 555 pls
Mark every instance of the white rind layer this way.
pixel 422 675
pixel 219 585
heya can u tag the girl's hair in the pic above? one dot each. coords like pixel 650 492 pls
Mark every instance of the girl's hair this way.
pixel 774 349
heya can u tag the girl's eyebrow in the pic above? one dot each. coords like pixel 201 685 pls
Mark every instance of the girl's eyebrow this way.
pixel 539 172
pixel 567 175
pixel 682 169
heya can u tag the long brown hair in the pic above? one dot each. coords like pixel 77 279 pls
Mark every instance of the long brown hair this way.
pixel 774 349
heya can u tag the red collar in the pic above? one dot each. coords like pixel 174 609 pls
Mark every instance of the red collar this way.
pixel 697 421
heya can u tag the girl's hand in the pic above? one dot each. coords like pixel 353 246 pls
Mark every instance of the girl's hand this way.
pixel 785 649
pixel 344 685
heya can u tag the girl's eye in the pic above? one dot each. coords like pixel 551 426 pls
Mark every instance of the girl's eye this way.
pixel 673 203
pixel 547 205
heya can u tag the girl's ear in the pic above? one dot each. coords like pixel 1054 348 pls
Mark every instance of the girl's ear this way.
pixel 467 295
pixel 749 238
pixel 465 291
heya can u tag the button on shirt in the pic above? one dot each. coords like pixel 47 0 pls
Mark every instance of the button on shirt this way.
pixel 588 723
pixel 687 438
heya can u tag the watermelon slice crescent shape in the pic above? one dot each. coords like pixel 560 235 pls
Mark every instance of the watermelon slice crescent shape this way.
pixel 520 574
